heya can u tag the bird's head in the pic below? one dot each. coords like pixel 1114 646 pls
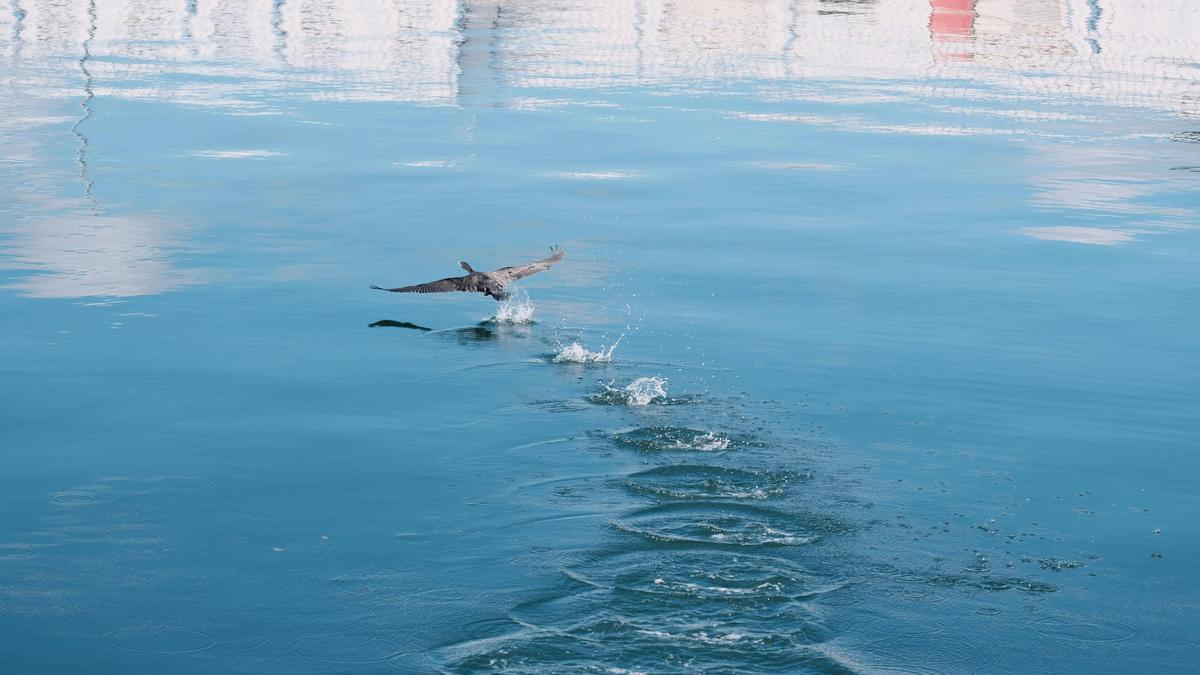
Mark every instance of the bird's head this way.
pixel 465 266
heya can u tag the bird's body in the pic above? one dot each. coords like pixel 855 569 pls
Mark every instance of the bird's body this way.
pixel 491 284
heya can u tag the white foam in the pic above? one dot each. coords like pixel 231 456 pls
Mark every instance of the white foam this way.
pixel 642 391
pixel 707 442
pixel 516 310
pixel 577 353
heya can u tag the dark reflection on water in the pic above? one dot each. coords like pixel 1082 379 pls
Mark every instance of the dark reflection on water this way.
pixel 894 303
pixel 388 323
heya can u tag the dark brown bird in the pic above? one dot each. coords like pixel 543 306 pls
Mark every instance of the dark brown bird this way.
pixel 490 284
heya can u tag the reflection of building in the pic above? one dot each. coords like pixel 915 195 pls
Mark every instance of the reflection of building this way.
pixel 233 49
pixel 1135 51
pixel 952 22
pixel 248 55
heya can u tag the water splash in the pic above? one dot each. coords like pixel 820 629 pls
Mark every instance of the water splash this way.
pixel 706 442
pixel 577 353
pixel 660 439
pixel 518 309
pixel 642 391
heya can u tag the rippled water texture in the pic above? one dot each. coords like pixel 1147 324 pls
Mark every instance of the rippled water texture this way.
pixel 873 348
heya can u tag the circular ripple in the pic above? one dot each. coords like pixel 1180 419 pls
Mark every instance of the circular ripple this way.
pixel 927 649
pixel 708 482
pixel 74 497
pixel 375 583
pixel 703 575
pixel 616 645
pixel 336 648
pixel 1084 630
pixel 727 524
pixel 35 598
pixel 14 551
pixel 160 640
pixel 230 641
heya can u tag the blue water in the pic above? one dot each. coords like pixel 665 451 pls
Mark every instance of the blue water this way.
pixel 909 290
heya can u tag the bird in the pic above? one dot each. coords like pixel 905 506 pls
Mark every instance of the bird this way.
pixel 491 284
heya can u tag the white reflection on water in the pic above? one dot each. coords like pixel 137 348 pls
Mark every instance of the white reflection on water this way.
pixel 982 66
pixel 1078 235
pixel 90 255
pixel 1138 52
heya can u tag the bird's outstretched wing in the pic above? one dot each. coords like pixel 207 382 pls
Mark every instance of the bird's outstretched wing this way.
pixel 521 271
pixel 440 286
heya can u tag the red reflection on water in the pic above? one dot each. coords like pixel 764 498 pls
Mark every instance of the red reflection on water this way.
pixel 952 21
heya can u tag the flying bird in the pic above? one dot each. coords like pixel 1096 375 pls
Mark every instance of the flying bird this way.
pixel 490 284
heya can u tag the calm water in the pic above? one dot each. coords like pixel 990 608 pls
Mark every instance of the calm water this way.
pixel 906 296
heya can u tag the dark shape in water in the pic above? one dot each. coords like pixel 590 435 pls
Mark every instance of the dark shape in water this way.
pixel 490 284
pixel 480 333
pixel 388 323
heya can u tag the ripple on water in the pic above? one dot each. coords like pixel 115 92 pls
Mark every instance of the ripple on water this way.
pixel 1084 629
pixel 74 497
pixel 15 551
pixel 703 574
pixel 845 596
pixel 709 482
pixel 349 649
pixel 928 649
pixel 160 640
pixel 990 583
pixel 380 584
pixel 617 646
pixel 728 524
pixel 560 406
pixel 35 597
pixel 665 439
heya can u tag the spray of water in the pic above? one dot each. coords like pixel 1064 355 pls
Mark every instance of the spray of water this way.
pixel 577 353
pixel 642 391
pixel 518 309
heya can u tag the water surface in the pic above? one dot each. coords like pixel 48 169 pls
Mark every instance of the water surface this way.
pixel 873 349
